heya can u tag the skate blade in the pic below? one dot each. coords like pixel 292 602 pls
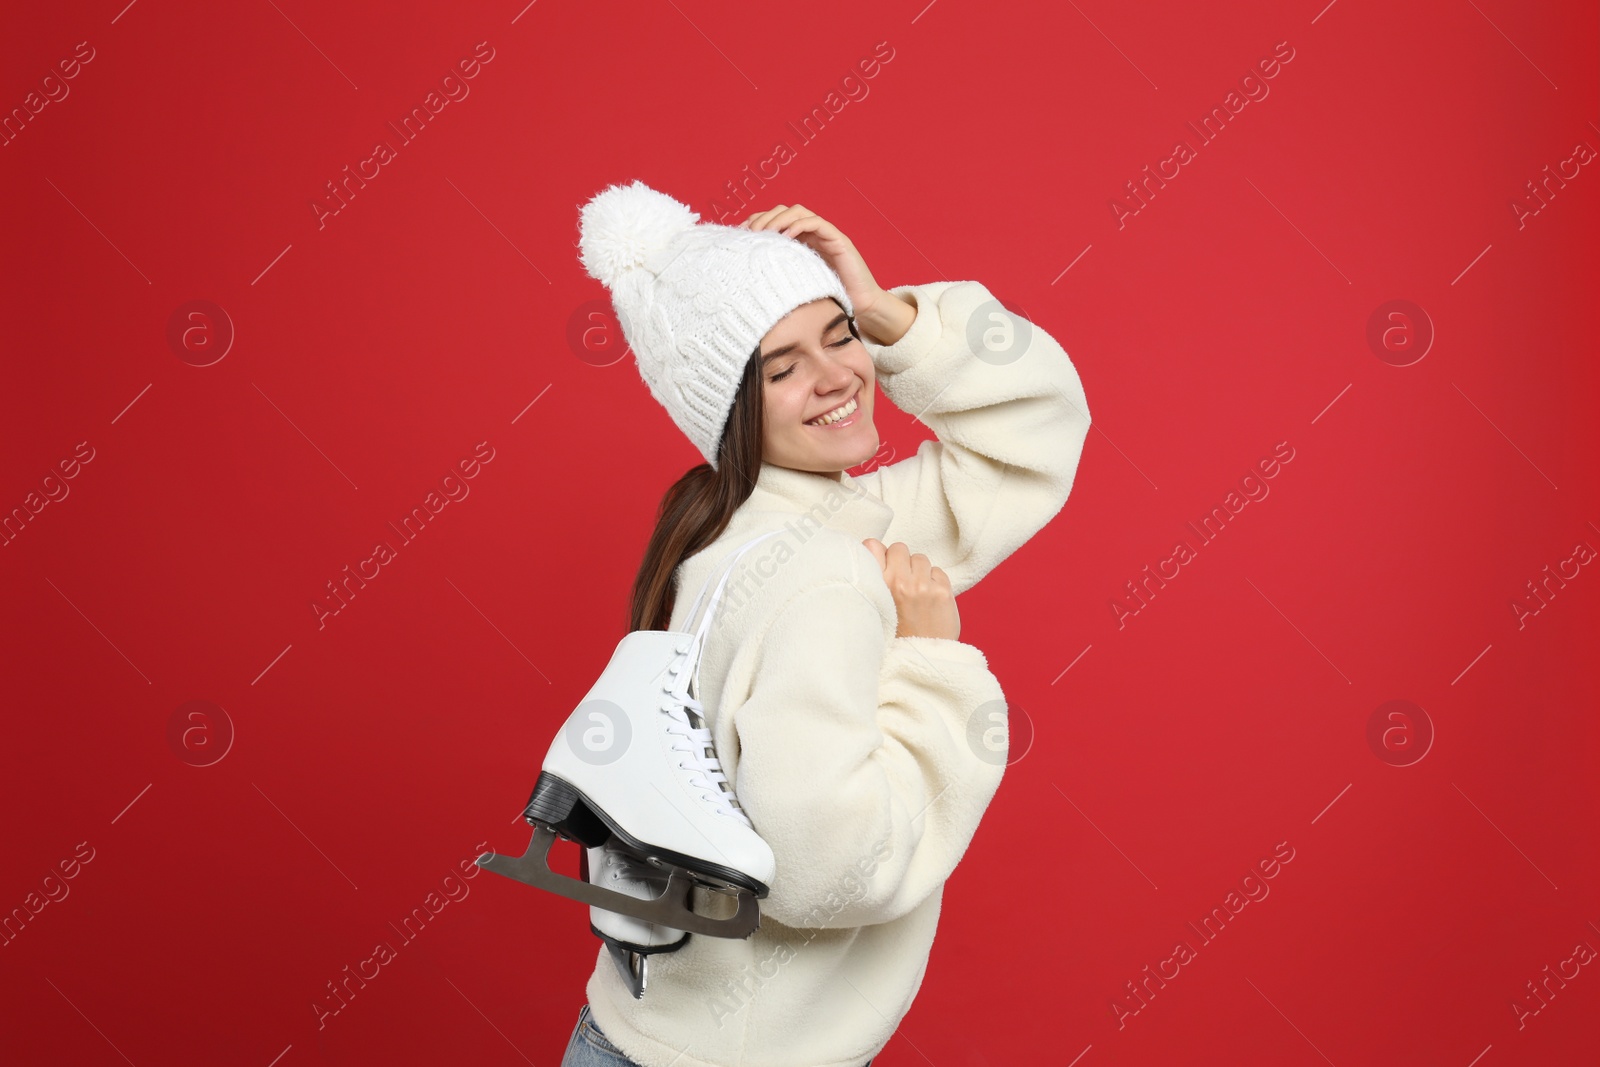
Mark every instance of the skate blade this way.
pixel 669 910
pixel 633 967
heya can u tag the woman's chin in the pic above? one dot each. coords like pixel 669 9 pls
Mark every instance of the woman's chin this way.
pixel 841 449
pixel 861 446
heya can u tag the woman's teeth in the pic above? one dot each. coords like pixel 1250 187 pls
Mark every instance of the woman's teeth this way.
pixel 844 412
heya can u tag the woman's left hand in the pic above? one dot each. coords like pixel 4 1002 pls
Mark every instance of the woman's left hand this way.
pixel 823 237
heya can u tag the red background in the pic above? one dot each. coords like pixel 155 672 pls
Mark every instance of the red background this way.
pixel 444 306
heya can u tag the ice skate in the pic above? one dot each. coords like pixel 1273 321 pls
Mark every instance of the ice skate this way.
pixel 634 772
pixel 631 942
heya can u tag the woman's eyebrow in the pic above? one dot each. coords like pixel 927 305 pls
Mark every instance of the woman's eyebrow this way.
pixel 786 349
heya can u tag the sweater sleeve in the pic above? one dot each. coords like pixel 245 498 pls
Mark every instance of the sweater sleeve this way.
pixel 865 762
pixel 1009 412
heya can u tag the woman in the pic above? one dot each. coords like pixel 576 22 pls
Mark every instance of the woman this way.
pixel 861 736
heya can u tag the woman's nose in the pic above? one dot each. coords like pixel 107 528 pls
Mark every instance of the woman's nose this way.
pixel 836 374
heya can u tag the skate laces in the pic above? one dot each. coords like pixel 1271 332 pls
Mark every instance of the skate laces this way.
pixel 690 737
pixel 695 742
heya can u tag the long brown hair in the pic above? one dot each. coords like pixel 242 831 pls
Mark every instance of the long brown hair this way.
pixel 699 505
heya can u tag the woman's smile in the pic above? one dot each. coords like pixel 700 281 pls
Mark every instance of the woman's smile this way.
pixel 850 409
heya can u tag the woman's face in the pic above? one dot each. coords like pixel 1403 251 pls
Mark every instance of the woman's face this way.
pixel 811 366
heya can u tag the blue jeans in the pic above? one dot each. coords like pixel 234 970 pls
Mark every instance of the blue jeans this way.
pixel 590 1048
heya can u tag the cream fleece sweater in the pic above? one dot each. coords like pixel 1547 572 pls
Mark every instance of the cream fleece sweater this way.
pixel 864 759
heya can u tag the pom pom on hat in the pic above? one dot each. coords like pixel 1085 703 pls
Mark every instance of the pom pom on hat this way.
pixel 623 225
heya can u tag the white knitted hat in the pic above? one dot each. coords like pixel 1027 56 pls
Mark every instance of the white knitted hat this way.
pixel 694 300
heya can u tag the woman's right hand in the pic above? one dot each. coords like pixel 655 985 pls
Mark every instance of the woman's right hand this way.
pixel 921 591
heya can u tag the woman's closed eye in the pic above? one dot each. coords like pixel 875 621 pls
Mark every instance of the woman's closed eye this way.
pixel 780 377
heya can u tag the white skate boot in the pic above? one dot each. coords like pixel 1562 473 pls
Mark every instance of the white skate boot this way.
pixel 630 941
pixel 634 779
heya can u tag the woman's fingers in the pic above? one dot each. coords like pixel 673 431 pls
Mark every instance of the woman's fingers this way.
pixel 809 224
pixel 893 558
pixel 779 218
pixel 897 560
pixel 796 219
pixel 923 598
pixel 759 220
